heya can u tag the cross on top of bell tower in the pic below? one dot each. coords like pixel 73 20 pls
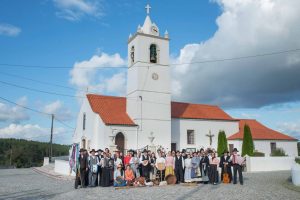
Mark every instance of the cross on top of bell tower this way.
pixel 148 7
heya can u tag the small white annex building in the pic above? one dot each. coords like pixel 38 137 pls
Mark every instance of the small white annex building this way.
pixel 147 116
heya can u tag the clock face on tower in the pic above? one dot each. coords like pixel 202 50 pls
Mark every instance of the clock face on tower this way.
pixel 155 76
pixel 154 30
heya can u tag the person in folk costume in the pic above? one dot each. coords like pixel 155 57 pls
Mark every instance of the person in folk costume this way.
pixel 139 155
pixel 134 164
pixel 127 158
pixel 225 165
pixel 195 164
pixel 117 160
pixel 83 167
pixel 145 161
pixel 160 174
pixel 105 180
pixel 87 173
pixel 152 166
pixel 119 180
pixel 236 166
pixel 100 156
pixel 111 163
pixel 188 168
pixel 93 168
pixel 170 164
pixel 204 163
pixel 214 174
pixel 179 166
pixel 129 175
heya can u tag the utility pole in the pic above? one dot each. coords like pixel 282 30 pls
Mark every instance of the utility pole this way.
pixel 50 152
pixel 10 155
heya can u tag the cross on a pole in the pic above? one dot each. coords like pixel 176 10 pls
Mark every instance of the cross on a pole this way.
pixel 148 9
pixel 210 137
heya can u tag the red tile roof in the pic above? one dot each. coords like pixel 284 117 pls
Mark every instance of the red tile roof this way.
pixel 258 131
pixel 198 111
pixel 112 110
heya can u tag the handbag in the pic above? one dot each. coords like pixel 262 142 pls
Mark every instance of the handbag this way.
pixel 94 169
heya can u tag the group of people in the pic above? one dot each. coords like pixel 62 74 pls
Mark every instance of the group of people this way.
pixel 137 168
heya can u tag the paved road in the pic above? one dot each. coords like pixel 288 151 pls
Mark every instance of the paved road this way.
pixel 27 184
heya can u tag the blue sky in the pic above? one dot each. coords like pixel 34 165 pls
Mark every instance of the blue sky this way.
pixel 65 32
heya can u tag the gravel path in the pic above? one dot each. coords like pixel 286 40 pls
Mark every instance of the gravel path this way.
pixel 27 184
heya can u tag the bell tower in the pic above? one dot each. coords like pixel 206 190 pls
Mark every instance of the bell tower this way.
pixel 148 83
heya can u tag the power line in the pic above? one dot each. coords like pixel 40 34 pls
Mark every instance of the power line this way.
pixel 37 111
pixel 63 123
pixel 238 58
pixel 172 64
pixel 41 82
pixel 67 95
pixel 25 107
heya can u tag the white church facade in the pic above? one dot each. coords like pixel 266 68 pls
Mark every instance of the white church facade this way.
pixel 147 116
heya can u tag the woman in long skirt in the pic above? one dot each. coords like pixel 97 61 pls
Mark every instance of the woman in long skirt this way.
pixel 188 168
pixel 170 164
pixel 134 164
pixel 105 180
pixel 195 165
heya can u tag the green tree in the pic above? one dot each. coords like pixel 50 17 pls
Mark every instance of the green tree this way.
pixel 222 143
pixel 248 145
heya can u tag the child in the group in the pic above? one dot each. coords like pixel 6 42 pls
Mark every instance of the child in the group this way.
pixel 129 175
pixel 119 180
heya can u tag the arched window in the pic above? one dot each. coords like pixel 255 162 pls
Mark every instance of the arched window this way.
pixel 83 121
pixel 132 54
pixel 153 53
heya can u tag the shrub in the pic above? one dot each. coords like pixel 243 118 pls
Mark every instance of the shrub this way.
pixel 222 143
pixel 258 154
pixel 248 145
pixel 278 152
pixel 297 160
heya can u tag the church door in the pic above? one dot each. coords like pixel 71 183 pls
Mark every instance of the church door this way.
pixel 120 141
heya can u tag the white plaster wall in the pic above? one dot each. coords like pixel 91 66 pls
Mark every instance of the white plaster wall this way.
pixel 201 128
pixel 257 164
pixel 63 167
pixel 129 133
pixel 290 147
pixel 92 120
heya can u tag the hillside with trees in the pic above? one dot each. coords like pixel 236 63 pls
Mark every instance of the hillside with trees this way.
pixel 23 153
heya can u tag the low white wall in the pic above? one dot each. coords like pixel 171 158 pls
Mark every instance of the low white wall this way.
pixel 46 161
pixel 63 167
pixel 258 164
pixel 296 174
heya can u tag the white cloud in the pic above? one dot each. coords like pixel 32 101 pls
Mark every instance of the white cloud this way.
pixel 244 28
pixel 30 132
pixel 14 114
pixel 74 10
pixel 9 30
pixel 59 110
pixel 291 128
pixel 86 74
pixel 116 84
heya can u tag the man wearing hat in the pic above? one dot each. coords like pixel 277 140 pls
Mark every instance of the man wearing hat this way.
pixel 235 159
pixel 179 166
pixel 100 156
pixel 83 166
pixel 225 165
pixel 93 168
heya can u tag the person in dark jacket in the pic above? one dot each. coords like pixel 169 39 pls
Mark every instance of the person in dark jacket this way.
pixel 83 163
pixel 179 166
pixel 225 165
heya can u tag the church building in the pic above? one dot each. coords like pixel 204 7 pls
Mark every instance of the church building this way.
pixel 146 117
